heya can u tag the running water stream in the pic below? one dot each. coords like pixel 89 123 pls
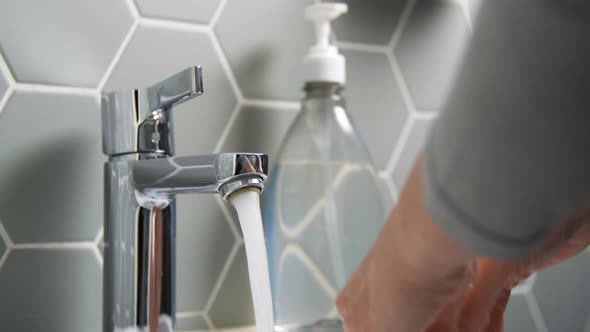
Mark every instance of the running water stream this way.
pixel 247 206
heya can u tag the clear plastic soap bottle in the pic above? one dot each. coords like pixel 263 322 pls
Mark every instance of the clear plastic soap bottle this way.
pixel 323 207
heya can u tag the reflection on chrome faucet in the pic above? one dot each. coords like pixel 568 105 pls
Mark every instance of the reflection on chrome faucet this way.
pixel 141 181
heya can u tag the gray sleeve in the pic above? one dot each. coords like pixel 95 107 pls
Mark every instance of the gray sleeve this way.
pixel 509 156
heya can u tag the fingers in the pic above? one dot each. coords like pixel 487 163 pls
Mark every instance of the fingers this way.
pixel 410 274
pixel 491 278
pixel 496 323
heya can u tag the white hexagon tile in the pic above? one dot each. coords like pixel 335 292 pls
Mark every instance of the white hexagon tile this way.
pixel 401 59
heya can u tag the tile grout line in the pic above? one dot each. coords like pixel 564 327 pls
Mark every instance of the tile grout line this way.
pixel 133 9
pixel 401 25
pixel 118 55
pixel 171 24
pixel 98 243
pixel 56 89
pixel 4 69
pixel 363 47
pixel 226 131
pixel 98 256
pixel 7 74
pixel 401 82
pixel 188 314
pixel 99 236
pixel 209 322
pixel 217 14
pixel 82 245
pixel 222 276
pixel 399 147
pixel 271 103
pixel 7 95
pixel 426 115
pixel 526 286
pixel 535 311
pixel 5 237
pixel 312 268
pixel 464 5
pixel 391 187
pixel 7 243
pixel 226 67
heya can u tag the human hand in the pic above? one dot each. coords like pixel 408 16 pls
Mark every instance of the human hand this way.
pixel 417 279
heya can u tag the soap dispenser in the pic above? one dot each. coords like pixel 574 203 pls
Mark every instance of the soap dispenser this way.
pixel 323 207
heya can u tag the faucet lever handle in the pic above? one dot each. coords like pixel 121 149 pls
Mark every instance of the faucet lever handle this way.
pixel 176 89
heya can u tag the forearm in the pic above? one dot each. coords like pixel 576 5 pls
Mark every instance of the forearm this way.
pixel 411 259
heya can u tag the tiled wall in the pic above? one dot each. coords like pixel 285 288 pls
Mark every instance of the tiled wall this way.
pixel 57 56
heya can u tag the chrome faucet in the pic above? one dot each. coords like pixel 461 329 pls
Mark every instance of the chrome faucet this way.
pixel 141 179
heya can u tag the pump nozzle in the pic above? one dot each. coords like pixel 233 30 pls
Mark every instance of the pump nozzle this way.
pixel 323 63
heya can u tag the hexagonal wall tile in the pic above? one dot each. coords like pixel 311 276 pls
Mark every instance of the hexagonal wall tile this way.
pixel 517 317
pixel 185 10
pixel 204 241
pixel 267 53
pixel 375 102
pixel 563 294
pixel 51 186
pixel 430 50
pixel 233 305
pixel 412 147
pixel 65 42
pixel 51 290
pixel 198 123
pixel 369 21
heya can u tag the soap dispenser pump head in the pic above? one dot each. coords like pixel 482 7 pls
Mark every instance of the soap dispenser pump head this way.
pixel 323 63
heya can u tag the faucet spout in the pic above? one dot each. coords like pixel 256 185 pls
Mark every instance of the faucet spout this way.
pixel 222 173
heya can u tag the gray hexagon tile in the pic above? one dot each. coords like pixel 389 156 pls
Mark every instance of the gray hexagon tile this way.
pixel 267 54
pixel 66 42
pixel 369 21
pixel 412 147
pixel 375 103
pixel 233 304
pixel 259 129
pixel 184 10
pixel 198 123
pixel 191 323
pixel 517 317
pixel 53 178
pixel 51 290
pixel 563 294
pixel 204 242
pixel 430 50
